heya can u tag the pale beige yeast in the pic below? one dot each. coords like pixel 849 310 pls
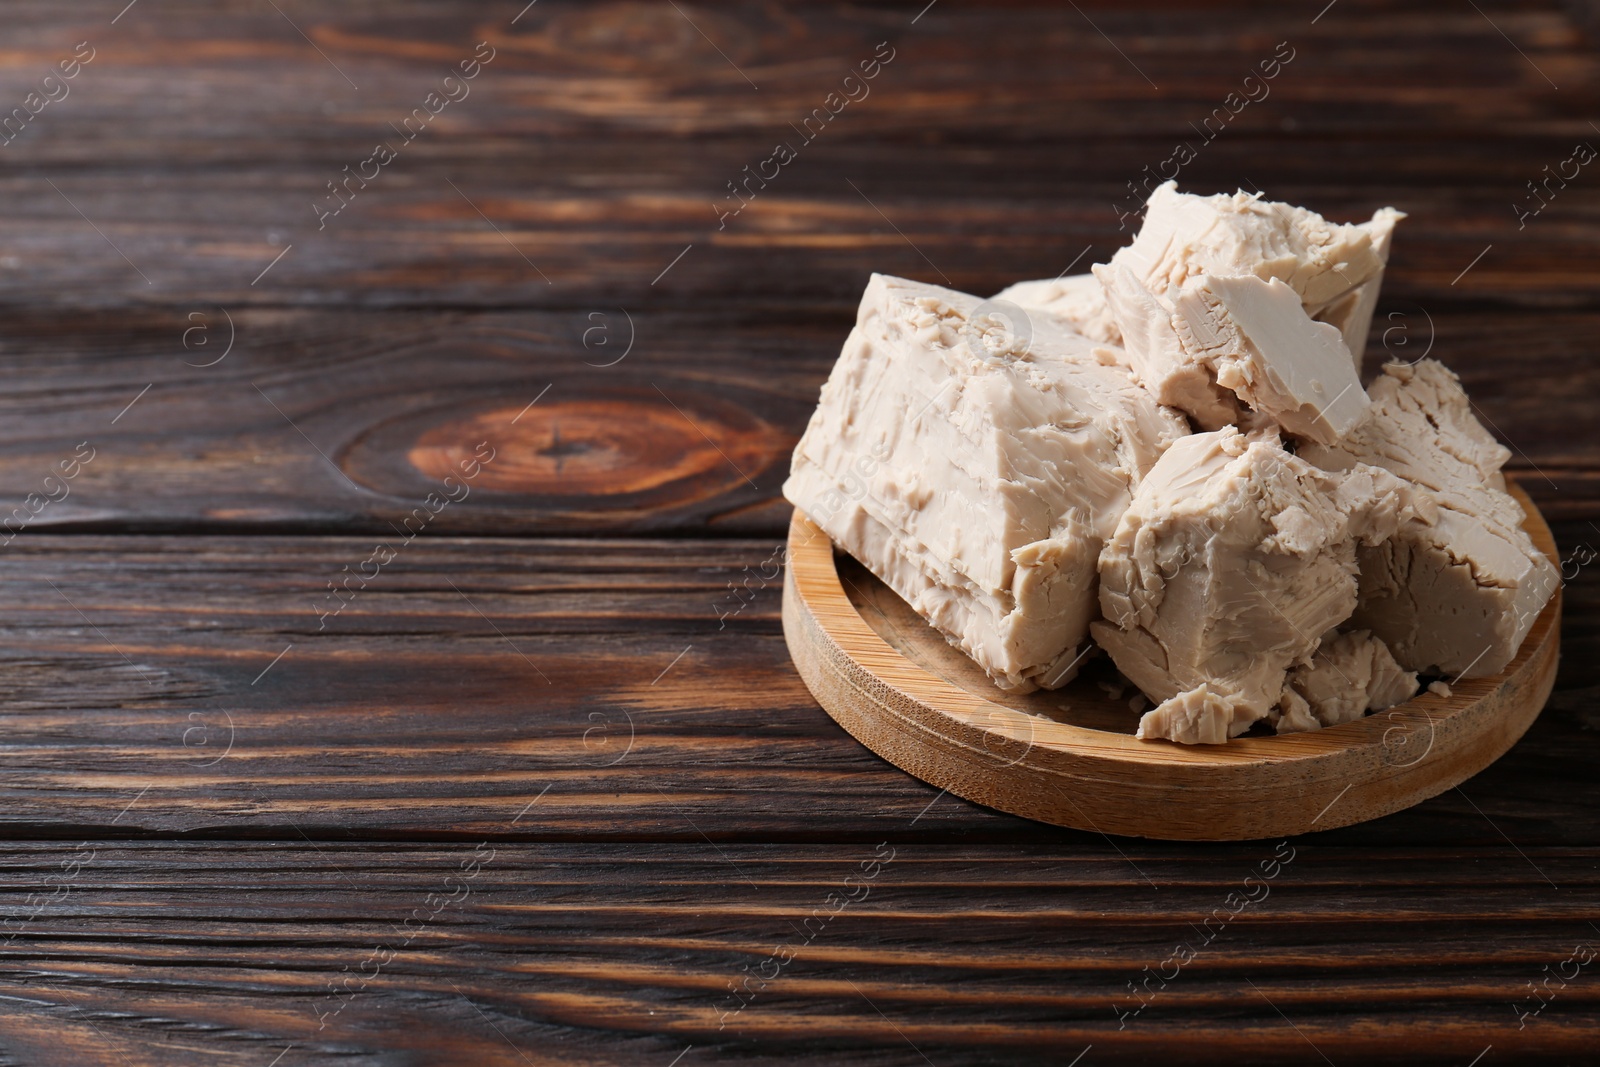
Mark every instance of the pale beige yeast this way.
pixel 1069 757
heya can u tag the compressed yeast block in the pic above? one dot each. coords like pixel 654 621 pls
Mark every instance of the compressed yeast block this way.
pixel 1233 560
pixel 976 464
pixel 1076 300
pixel 1157 357
pixel 1349 675
pixel 1457 588
pixel 1237 351
pixel 1351 314
pixel 1185 236
pixel 1259 343
pixel 1218 300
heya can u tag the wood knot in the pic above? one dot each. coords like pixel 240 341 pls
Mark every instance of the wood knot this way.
pixel 625 445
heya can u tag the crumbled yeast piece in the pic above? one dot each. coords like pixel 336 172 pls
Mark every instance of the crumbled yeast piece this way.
pixel 977 470
pixel 1459 586
pixel 1260 344
pixel 1349 675
pixel 1157 357
pixel 1233 559
pixel 1185 236
pixel 1351 314
pixel 1076 300
pixel 1217 298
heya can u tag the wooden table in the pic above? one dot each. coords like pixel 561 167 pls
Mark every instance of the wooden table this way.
pixel 391 653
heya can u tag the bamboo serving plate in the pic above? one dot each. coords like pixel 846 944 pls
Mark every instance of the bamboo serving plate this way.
pixel 1068 756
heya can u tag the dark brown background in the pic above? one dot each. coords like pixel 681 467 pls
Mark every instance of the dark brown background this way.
pixel 216 839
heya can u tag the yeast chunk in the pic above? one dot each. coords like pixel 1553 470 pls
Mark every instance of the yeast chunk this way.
pixel 976 465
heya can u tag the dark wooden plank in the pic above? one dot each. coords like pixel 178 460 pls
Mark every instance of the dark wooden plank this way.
pixel 639 421
pixel 588 224
pixel 345 422
pixel 664 803
pixel 189 685
pixel 504 953
pixel 602 156
pixel 565 68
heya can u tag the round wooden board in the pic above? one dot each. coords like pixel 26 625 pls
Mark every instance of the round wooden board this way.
pixel 1068 756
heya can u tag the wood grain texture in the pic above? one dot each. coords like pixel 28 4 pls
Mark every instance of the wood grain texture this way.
pixel 413 713
pixel 623 546
pixel 503 953
pixel 345 422
pixel 571 144
pixel 423 707
pixel 337 422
